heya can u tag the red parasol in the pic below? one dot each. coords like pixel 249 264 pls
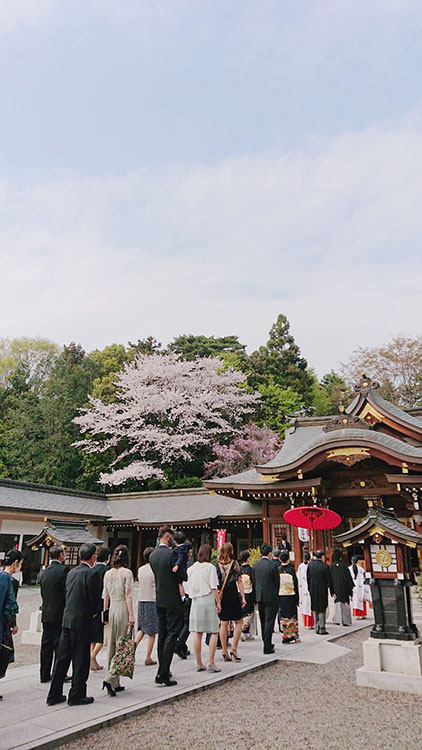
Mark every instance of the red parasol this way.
pixel 312 517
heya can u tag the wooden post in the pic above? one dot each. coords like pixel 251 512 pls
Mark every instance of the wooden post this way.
pixel 297 547
pixel 138 549
pixel 250 537
pixel 265 523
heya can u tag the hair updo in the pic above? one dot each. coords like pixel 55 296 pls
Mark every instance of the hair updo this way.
pixel 120 557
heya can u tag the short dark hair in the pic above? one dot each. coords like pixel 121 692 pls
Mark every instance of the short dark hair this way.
pixel 337 556
pixel 163 530
pixel 120 557
pixel 86 551
pixel 204 553
pixel 306 556
pixel 284 556
pixel 179 537
pixel 319 553
pixel 244 556
pixel 147 552
pixel 13 555
pixel 265 549
pixel 55 551
pixel 103 554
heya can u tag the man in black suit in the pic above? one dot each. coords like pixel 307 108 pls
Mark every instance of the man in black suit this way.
pixel 97 636
pixel 53 592
pixel 265 577
pixel 82 602
pixel 169 604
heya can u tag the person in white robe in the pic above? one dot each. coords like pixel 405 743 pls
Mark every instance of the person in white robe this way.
pixel 357 571
pixel 304 595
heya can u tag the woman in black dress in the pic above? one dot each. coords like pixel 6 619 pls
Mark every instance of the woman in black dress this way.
pixel 232 599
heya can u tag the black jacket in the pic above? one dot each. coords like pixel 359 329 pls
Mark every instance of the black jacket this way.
pixel 99 569
pixel 319 581
pixel 342 582
pixel 83 595
pixel 166 582
pixel 53 591
pixel 266 581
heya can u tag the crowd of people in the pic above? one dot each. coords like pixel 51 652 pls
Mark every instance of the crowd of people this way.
pixel 177 596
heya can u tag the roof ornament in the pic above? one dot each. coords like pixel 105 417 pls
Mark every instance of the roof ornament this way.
pixel 344 421
pixel 366 384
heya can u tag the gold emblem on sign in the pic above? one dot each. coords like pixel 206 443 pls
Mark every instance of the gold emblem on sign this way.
pixel 383 558
pixel 348 456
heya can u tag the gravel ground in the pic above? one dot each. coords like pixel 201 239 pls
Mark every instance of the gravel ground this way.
pixel 289 705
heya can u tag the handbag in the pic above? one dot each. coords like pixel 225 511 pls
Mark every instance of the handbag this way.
pixel 123 661
pixel 221 591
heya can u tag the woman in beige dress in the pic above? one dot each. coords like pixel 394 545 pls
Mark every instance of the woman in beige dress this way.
pixel 118 599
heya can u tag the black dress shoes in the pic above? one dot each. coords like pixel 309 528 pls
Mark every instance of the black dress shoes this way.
pixel 81 701
pixel 270 651
pixel 181 654
pixel 54 701
pixel 167 681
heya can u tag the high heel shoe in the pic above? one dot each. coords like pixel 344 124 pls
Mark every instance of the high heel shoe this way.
pixel 226 657
pixel 112 693
pixel 235 656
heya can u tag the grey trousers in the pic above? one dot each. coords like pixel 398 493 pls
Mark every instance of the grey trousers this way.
pixel 342 614
pixel 319 618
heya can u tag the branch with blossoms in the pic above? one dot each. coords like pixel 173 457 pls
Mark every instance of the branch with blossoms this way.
pixel 165 410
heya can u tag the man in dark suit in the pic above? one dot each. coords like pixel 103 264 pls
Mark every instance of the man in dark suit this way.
pixel 169 604
pixel 265 577
pixel 319 582
pixel 284 545
pixel 53 592
pixel 82 602
pixel 97 636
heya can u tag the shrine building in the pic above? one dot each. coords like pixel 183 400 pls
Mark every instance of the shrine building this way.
pixel 369 454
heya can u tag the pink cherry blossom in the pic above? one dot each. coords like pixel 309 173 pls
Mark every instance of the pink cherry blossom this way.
pixel 164 410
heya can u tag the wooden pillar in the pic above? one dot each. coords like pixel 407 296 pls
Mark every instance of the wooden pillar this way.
pixel 250 542
pixel 297 547
pixel 265 523
pixel 138 548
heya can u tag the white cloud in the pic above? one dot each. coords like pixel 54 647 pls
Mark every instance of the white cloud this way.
pixel 328 234
pixel 24 13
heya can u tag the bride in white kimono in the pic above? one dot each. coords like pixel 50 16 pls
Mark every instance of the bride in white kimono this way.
pixel 357 571
pixel 304 595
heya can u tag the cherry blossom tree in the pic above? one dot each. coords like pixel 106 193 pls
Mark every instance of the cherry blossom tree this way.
pixel 165 410
pixel 256 445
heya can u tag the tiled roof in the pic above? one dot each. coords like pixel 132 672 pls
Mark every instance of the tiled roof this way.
pixel 24 496
pixel 66 533
pixel 386 520
pixel 149 510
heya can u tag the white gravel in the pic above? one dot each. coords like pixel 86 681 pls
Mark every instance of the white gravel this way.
pixel 290 706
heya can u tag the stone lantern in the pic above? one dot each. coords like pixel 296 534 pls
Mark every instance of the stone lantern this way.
pixel 392 654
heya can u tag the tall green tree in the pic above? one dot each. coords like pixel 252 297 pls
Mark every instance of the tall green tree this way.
pixel 329 393
pixel 280 363
pixel 190 346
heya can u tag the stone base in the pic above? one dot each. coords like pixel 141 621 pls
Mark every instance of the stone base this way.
pixel 32 637
pixel 391 665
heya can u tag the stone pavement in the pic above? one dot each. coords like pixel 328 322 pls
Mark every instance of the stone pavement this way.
pixel 26 722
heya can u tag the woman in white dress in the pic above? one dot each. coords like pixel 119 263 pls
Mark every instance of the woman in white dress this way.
pixel 201 586
pixel 357 571
pixel 304 595
pixel 118 598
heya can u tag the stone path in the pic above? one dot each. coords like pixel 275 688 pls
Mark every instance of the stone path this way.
pixel 26 722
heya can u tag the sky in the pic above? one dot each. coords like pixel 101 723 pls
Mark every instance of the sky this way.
pixel 200 166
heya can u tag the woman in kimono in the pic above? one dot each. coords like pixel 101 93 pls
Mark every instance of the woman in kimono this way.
pixel 288 599
pixel 357 571
pixel 304 595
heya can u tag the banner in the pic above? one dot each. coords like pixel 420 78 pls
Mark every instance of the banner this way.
pixel 304 535
pixel 221 537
